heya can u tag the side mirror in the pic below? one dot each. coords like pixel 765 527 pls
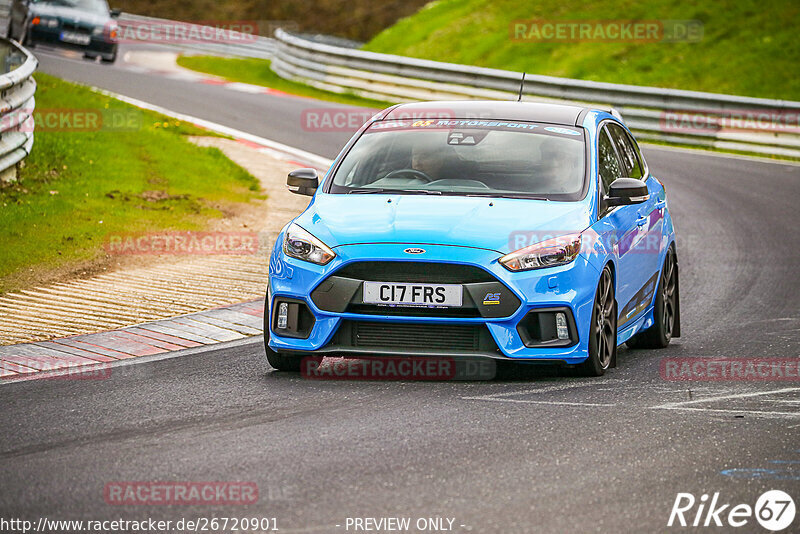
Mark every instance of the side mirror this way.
pixel 115 13
pixel 626 191
pixel 303 182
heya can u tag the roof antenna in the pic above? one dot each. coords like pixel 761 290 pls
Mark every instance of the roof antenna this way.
pixel 521 87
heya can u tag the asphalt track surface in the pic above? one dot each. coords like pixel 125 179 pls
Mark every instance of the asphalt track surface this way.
pixel 540 453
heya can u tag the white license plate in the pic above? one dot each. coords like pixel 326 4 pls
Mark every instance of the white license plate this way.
pixel 393 293
pixel 75 38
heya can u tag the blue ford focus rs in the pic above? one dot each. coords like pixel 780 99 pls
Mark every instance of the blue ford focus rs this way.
pixel 516 231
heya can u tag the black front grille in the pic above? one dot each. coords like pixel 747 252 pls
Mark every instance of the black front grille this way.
pixel 468 311
pixel 415 271
pixel 76 27
pixel 416 336
pixel 342 291
pixel 422 338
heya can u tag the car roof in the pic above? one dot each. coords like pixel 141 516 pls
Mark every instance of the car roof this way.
pixel 489 109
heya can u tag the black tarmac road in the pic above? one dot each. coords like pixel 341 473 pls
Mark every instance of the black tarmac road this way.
pixel 540 453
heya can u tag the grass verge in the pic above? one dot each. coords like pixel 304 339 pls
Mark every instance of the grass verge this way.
pixel 259 72
pixel 135 173
pixel 747 47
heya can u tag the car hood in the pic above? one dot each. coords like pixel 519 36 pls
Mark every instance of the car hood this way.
pixel 498 224
pixel 71 14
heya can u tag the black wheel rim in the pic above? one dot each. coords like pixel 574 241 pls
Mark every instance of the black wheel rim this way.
pixel 669 283
pixel 604 320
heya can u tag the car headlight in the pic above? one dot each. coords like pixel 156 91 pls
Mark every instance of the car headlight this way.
pixel 44 21
pixel 551 253
pixel 110 30
pixel 297 243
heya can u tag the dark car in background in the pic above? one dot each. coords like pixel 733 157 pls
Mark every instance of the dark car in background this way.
pixel 84 25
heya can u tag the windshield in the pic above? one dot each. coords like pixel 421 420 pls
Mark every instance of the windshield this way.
pixel 465 157
pixel 95 6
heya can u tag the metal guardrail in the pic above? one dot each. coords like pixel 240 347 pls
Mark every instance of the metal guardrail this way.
pixel 725 122
pixel 146 29
pixel 751 125
pixel 5 15
pixel 17 102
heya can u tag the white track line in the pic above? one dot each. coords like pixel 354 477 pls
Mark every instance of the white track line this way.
pixel 306 157
pixel 674 405
pixel 554 403
pixel 546 389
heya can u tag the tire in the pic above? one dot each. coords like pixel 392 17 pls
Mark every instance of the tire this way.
pixel 90 57
pixel 283 362
pixel 603 329
pixel 111 59
pixel 666 315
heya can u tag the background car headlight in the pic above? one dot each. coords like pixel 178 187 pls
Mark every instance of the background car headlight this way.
pixel 109 31
pixel 297 243
pixel 44 21
pixel 551 253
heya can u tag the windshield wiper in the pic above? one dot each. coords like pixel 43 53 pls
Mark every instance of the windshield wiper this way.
pixel 370 190
pixel 504 195
pixel 64 3
pixel 394 191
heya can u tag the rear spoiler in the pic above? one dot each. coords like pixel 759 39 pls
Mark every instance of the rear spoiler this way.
pixel 617 115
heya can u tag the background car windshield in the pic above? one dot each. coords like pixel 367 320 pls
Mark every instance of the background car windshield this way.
pixel 466 158
pixel 95 6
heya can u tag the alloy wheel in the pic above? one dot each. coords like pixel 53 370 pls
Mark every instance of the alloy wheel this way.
pixel 603 330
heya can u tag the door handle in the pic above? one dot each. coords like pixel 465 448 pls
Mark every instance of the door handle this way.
pixel 661 204
pixel 642 220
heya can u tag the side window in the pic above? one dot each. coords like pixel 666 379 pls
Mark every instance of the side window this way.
pixel 631 167
pixel 607 160
pixel 641 157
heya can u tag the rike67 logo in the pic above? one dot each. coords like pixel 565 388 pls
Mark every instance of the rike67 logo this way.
pixel 774 510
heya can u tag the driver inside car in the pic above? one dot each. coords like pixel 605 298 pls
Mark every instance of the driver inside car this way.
pixel 429 160
pixel 557 163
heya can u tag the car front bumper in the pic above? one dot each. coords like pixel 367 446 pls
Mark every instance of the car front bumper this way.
pixel 496 331
pixel 98 45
